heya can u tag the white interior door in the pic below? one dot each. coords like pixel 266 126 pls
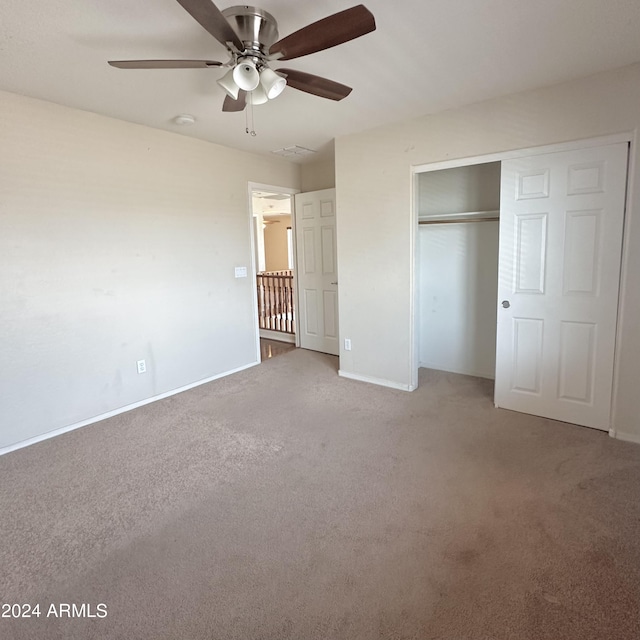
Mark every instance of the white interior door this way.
pixel 561 223
pixel 317 271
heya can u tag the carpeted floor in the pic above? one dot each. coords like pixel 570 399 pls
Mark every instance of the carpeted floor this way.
pixel 284 503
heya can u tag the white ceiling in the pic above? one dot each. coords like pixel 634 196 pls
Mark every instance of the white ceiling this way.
pixel 425 56
pixel 271 204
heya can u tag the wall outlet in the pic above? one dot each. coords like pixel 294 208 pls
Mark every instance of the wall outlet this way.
pixel 142 366
pixel 347 344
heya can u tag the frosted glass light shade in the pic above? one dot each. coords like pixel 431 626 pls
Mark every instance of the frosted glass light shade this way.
pixel 272 83
pixel 228 84
pixel 246 75
pixel 257 96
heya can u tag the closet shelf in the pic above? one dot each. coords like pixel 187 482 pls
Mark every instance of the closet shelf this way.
pixel 464 216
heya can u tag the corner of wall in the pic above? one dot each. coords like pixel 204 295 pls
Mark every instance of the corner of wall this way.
pixel 320 174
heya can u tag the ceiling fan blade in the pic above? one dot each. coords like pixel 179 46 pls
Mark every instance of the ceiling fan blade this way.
pixel 210 18
pixel 328 32
pixel 164 64
pixel 230 104
pixel 315 84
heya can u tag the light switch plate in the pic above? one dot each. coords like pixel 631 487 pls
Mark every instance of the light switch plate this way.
pixel 241 272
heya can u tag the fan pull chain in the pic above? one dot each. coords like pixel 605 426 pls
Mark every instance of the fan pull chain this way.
pixel 249 117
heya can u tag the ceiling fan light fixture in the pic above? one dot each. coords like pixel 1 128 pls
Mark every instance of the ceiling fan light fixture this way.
pixel 257 96
pixel 245 74
pixel 228 84
pixel 272 83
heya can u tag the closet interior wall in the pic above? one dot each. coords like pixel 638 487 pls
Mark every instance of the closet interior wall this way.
pixel 458 212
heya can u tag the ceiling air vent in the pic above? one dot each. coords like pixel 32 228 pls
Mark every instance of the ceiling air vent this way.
pixel 288 152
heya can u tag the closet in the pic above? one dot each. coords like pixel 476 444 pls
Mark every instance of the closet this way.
pixel 458 217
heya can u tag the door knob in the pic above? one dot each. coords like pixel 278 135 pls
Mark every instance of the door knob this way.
pixel 336 282
pixel 506 304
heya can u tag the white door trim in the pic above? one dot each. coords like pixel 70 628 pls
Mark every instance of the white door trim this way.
pixel 258 186
pixel 629 137
pixel 599 141
pixel 624 276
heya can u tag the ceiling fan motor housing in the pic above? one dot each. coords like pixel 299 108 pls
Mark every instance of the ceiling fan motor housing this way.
pixel 257 28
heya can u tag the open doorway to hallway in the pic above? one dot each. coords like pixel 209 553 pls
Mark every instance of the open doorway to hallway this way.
pixel 275 270
pixel 272 348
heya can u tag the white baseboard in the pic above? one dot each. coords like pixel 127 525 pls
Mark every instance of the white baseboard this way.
pixel 379 381
pixel 115 412
pixel 626 437
pixel 277 335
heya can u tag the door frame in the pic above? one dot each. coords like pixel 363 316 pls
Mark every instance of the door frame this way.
pixel 258 186
pixel 629 137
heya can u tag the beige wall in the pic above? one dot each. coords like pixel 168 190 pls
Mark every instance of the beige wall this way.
pixel 118 243
pixel 275 243
pixel 374 193
pixel 459 190
pixel 318 175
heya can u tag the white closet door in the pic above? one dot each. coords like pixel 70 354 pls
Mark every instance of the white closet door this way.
pixel 560 249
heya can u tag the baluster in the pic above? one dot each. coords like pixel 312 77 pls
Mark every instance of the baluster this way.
pixel 276 302
pixel 260 301
pixel 284 304
pixel 276 316
pixel 279 303
pixel 271 304
pixel 289 298
pixel 290 309
pixel 276 319
pixel 293 308
pixel 263 291
pixel 264 303
pixel 268 301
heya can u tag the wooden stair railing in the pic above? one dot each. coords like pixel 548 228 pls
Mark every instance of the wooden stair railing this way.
pixel 275 301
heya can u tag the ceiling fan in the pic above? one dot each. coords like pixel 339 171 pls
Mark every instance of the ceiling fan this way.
pixel 251 36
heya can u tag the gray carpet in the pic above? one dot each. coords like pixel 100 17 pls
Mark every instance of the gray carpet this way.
pixel 286 503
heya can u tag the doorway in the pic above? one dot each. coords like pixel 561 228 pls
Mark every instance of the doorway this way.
pixel 458 224
pixel 297 304
pixel 272 233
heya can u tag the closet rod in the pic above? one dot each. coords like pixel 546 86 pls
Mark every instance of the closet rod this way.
pixel 458 221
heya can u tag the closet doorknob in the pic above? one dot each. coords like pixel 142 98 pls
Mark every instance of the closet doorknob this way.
pixel 506 304
pixel 336 282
